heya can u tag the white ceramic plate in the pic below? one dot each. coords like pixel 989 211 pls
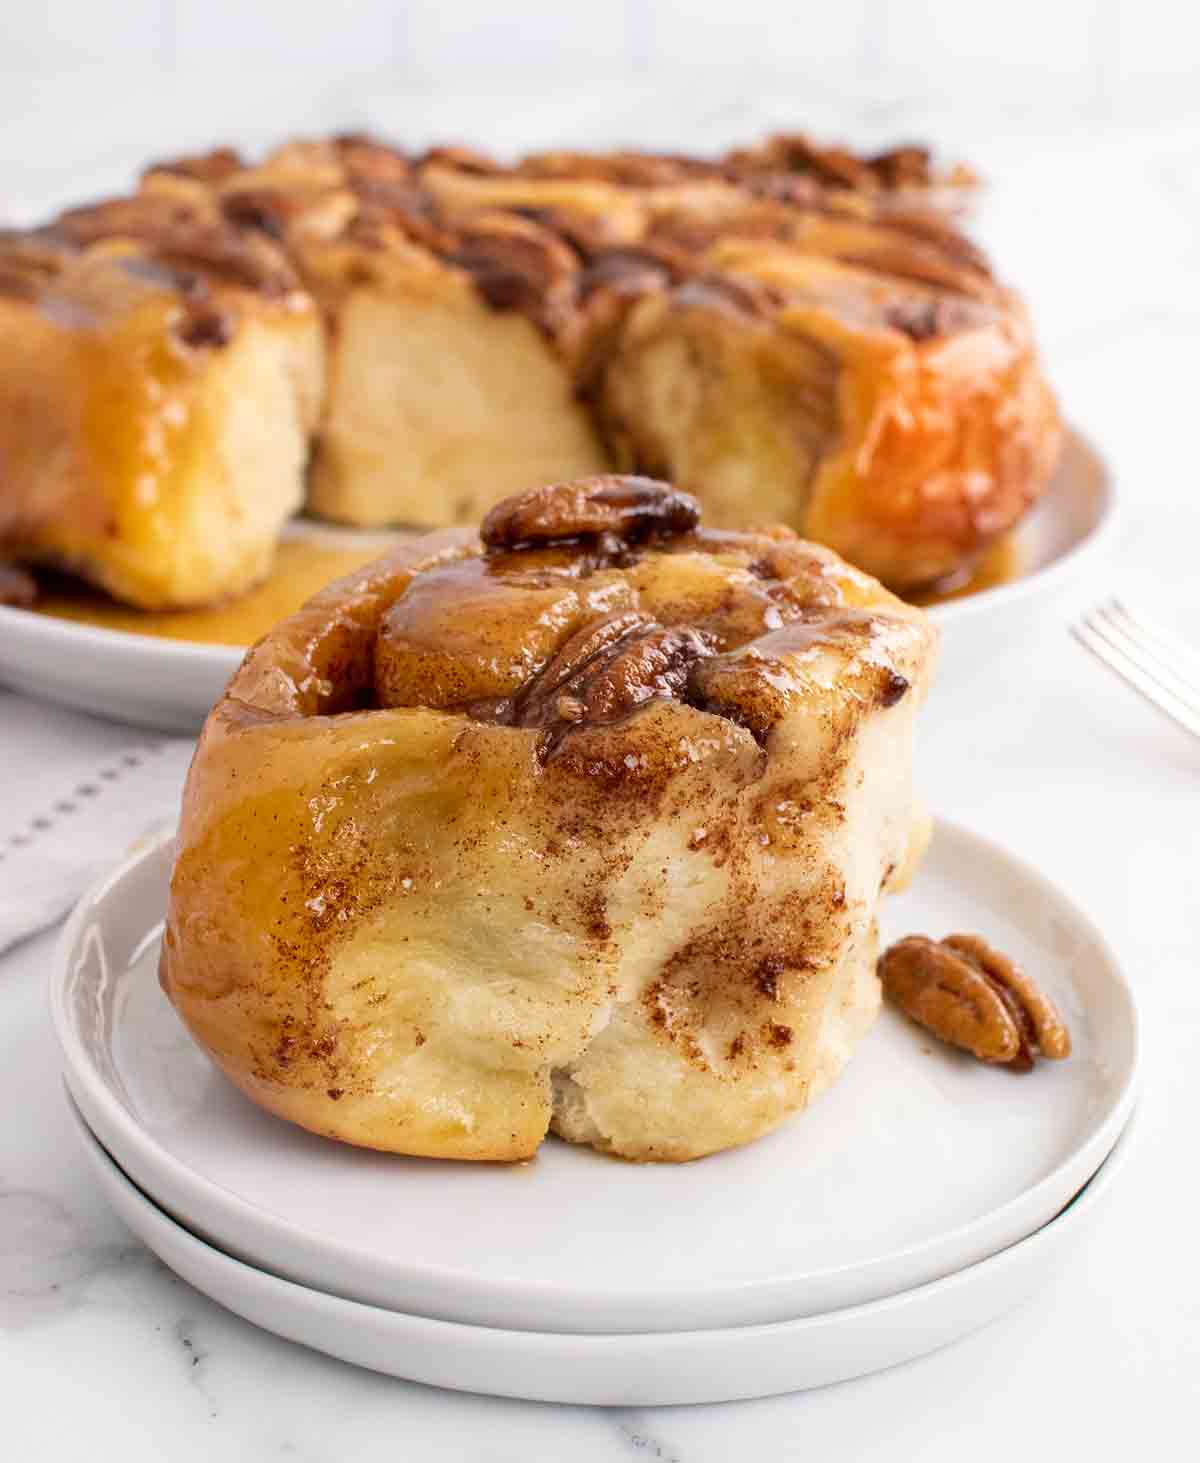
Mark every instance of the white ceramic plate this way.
pixel 1064 534
pixel 170 684
pixel 631 1370
pixel 918 1162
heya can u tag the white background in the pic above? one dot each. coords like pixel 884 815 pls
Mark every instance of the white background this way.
pixel 1090 58
pixel 89 88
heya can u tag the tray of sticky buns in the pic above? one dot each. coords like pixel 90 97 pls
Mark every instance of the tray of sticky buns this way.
pixel 796 335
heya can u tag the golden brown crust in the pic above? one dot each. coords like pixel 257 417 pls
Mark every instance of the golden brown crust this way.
pixel 852 366
pixel 159 379
pixel 904 423
pixel 469 848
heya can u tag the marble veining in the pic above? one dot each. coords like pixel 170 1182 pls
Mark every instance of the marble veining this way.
pixel 196 1354
pixel 643 1436
pixel 48 1261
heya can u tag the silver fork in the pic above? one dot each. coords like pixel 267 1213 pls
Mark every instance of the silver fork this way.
pixel 1157 664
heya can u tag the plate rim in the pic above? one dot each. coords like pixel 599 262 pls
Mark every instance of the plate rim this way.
pixel 59 634
pixel 54 632
pixel 1091 548
pixel 120 1131
pixel 698 1350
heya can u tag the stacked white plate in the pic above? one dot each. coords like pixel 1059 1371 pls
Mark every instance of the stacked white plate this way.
pixel 921 1198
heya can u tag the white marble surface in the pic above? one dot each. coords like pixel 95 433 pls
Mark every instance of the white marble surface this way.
pixel 104 1354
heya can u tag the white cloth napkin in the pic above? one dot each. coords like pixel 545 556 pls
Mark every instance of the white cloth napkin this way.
pixel 76 794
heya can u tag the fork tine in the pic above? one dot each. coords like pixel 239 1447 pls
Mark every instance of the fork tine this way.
pixel 1181 712
pixel 1124 633
pixel 1167 645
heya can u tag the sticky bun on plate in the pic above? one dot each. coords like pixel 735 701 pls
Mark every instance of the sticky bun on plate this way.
pixel 578 824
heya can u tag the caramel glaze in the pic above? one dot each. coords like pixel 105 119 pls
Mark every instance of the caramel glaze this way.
pixel 574 616
pixel 302 567
pixel 1000 564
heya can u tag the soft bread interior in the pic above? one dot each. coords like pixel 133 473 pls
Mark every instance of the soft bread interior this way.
pixel 723 402
pixel 438 406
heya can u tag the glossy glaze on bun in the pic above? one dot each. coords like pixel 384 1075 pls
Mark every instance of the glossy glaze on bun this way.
pixel 792 333
pixel 579 826
pixel 161 374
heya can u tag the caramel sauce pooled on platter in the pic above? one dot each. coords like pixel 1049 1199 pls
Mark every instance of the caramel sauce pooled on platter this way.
pixel 302 567
pixel 1000 564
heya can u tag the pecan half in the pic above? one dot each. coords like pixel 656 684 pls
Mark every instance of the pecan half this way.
pixel 909 165
pixel 205 167
pixel 179 236
pixel 205 325
pixel 518 265
pixel 923 317
pixel 269 210
pixel 30 262
pixel 635 270
pixel 729 293
pixel 972 996
pixel 796 153
pixel 623 169
pixel 1050 1035
pixel 463 159
pixel 626 508
pixel 611 667
pixel 365 158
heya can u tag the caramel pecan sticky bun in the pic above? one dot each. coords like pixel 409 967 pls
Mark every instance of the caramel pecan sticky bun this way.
pixel 577 825
pixel 789 332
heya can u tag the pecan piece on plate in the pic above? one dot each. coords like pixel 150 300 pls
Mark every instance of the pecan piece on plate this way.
pixel 972 996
